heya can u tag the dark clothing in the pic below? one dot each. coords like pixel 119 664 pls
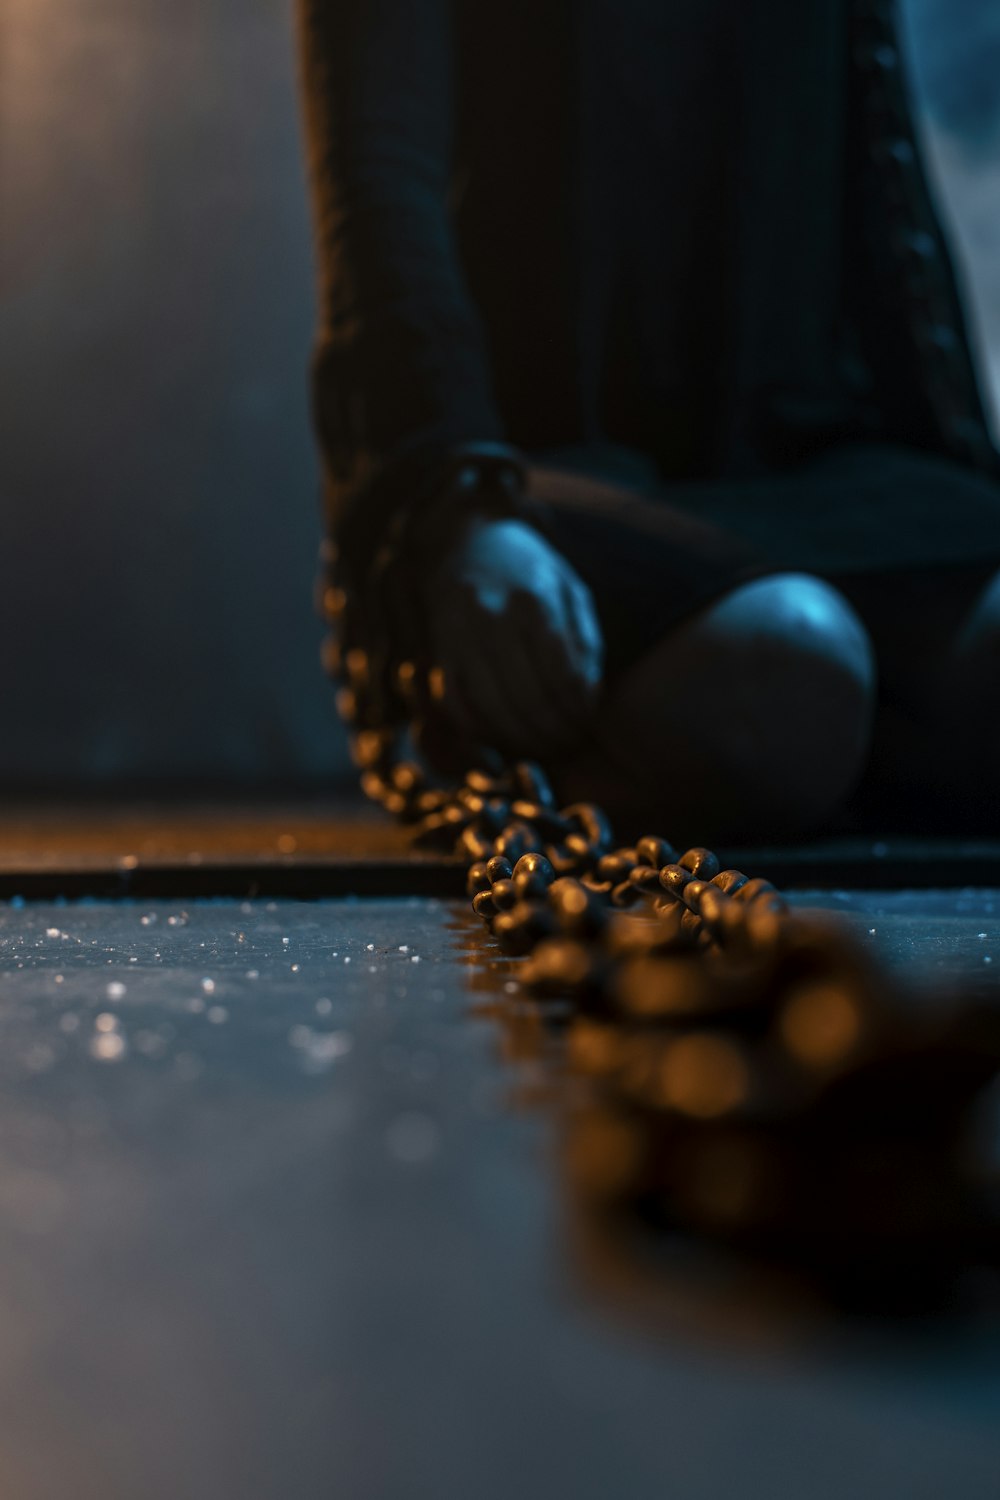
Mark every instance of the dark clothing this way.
pixel 688 242
pixel 649 553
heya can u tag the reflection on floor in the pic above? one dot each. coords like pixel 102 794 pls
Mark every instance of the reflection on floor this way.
pixel 213 849
pixel 283 1213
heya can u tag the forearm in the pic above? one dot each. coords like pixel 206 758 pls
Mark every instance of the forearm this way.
pixel 401 373
pixel 411 440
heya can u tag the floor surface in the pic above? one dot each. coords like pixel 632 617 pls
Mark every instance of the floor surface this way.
pixel 282 1213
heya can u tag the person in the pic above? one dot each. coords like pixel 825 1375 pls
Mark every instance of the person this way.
pixel 652 440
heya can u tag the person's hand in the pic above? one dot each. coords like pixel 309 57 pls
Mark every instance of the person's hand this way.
pixel 515 641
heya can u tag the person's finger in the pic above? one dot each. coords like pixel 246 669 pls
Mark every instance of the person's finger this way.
pixel 569 602
pixel 507 677
pixel 565 706
pixel 520 704
pixel 448 699
pixel 550 716
pixel 585 628
pixel 448 683
pixel 475 651
pixel 568 680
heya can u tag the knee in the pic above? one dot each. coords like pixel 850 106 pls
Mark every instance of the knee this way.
pixel 765 704
pixel 793 607
pixel 805 645
pixel 797 666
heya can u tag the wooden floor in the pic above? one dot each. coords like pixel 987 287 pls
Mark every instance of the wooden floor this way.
pixel 340 846
pixel 213 848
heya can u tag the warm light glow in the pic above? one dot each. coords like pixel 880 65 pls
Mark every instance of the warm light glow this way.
pixel 703 1076
pixel 821 1025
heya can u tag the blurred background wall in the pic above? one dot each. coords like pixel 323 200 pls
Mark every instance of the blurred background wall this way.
pixel 159 491
pixel 157 479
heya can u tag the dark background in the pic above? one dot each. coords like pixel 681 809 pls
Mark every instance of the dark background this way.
pixel 157 480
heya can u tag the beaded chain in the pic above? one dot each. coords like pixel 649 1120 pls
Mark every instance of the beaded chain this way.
pixel 771 1086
